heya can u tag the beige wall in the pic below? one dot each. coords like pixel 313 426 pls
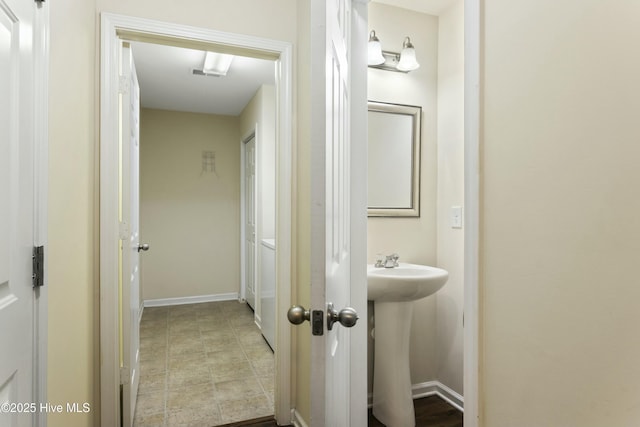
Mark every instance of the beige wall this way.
pixel 560 213
pixel 414 239
pixel 189 217
pixel 272 19
pixel 449 300
pixel 73 352
pixel 73 356
pixel 302 217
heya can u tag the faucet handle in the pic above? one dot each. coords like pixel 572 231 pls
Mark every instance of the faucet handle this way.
pixel 379 261
pixel 395 258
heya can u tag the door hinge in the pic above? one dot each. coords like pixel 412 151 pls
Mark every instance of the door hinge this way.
pixel 124 375
pixel 39 1
pixel 38 266
pixel 123 230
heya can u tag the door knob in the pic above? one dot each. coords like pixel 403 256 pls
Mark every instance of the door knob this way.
pixel 297 314
pixel 347 316
pixel 143 247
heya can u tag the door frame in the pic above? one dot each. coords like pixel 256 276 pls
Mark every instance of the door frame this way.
pixel 472 198
pixel 253 133
pixel 114 28
pixel 41 199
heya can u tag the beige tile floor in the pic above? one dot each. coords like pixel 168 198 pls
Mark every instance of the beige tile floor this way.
pixel 202 365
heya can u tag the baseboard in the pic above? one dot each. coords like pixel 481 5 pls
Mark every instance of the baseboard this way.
pixel 298 421
pixel 430 388
pixel 436 387
pixel 418 390
pixel 257 320
pixel 190 300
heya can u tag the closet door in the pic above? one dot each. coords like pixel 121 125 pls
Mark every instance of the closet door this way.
pixel 250 221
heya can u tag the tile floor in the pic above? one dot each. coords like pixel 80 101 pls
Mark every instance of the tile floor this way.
pixel 202 365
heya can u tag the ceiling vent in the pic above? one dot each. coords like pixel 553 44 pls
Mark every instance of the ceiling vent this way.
pixel 197 72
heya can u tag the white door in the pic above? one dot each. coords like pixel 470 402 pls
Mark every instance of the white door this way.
pixel 17 156
pixel 130 236
pixel 250 220
pixel 338 215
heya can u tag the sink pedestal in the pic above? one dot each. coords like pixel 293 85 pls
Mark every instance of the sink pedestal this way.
pixel 393 291
pixel 392 395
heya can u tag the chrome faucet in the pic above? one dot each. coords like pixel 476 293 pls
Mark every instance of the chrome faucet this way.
pixel 390 261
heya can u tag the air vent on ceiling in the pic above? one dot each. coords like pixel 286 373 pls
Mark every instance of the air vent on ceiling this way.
pixel 197 72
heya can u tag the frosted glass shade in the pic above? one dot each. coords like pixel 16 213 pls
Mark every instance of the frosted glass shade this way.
pixel 408 60
pixel 375 53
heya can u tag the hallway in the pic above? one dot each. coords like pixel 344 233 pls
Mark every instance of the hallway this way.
pixel 203 364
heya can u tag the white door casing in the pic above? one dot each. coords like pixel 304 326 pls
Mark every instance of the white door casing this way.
pixel 130 234
pixel 472 102
pixel 23 184
pixel 338 212
pixel 115 28
pixel 250 211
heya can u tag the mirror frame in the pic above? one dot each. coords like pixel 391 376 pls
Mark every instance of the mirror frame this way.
pixel 416 114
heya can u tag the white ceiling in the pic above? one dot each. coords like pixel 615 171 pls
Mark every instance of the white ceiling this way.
pixel 167 82
pixel 432 7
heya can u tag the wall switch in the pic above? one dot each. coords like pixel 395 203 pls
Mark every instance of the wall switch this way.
pixel 456 217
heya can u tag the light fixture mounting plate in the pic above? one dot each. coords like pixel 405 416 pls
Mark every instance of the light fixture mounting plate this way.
pixel 390 63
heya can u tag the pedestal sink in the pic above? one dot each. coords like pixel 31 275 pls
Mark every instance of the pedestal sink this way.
pixel 393 291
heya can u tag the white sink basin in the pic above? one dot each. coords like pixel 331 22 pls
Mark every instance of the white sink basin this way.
pixel 407 282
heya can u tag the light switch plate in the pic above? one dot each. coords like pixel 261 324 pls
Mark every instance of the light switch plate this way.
pixel 456 217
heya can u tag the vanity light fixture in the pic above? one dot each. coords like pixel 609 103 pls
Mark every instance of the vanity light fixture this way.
pixel 375 50
pixel 404 61
pixel 216 64
pixel 408 60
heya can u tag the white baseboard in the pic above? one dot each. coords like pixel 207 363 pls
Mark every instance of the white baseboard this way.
pixel 425 389
pixel 298 421
pixel 430 388
pixel 190 300
pixel 257 320
pixel 436 387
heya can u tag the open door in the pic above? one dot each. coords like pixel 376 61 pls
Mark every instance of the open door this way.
pixel 130 236
pixel 20 292
pixel 338 211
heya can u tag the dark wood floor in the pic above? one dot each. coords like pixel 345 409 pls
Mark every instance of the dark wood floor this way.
pixel 431 411
pixel 260 422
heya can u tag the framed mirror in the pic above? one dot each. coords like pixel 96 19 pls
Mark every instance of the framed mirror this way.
pixel 394 160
